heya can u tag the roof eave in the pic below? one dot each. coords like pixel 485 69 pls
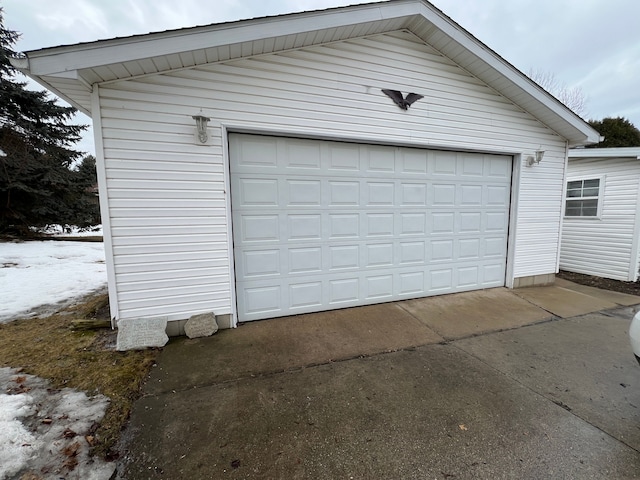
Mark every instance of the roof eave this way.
pixel 22 64
pixel 104 52
pixel 579 132
pixel 419 16
pixel 607 152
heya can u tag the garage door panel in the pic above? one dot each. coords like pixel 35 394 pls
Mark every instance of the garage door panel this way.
pixel 496 222
pixel 258 263
pixel 442 195
pixel 378 255
pixel 342 225
pixel 344 157
pixel 258 228
pixel 470 195
pixel 298 259
pixel 300 153
pixel 303 193
pixel 499 169
pixel 444 163
pixel 381 160
pixel 497 195
pixel 304 260
pixel 494 247
pixel 343 256
pixel 303 294
pixel 471 166
pixel 379 225
pixel 259 301
pixel 259 192
pixel 255 152
pixel 304 226
pixel 413 195
pixel 412 224
pixel 330 225
pixel 379 194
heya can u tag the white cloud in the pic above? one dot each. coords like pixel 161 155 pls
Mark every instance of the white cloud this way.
pixel 72 15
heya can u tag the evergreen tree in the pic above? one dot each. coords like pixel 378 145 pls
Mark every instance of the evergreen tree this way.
pixel 37 183
pixel 86 204
pixel 617 132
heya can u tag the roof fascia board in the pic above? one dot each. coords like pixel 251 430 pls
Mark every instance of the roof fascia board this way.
pixel 472 44
pixel 65 60
pixel 613 152
pixel 87 55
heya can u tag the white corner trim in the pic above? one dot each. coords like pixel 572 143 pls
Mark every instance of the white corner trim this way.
pixel 634 263
pixel 227 194
pixel 513 219
pixel 104 204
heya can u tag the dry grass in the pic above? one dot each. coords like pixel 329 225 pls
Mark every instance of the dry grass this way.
pixel 84 360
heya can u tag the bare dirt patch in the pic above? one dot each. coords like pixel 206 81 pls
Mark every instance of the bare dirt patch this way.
pixel 631 288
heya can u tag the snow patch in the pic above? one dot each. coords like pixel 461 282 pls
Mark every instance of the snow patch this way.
pixel 47 272
pixel 17 444
pixel 46 432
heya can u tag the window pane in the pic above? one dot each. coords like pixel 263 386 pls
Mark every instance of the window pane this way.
pixel 592 183
pixel 572 211
pixel 581 208
pixel 575 185
pixel 574 193
pixel 590 192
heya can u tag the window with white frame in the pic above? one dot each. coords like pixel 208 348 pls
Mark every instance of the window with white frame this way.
pixel 582 198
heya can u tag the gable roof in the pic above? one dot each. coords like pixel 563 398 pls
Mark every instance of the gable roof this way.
pixel 71 70
pixel 617 152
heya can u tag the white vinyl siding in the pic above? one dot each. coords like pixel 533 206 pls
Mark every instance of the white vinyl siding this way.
pixel 167 194
pixel 603 246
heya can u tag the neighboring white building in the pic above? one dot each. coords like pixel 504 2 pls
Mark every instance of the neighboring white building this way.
pixel 601 230
pixel 313 190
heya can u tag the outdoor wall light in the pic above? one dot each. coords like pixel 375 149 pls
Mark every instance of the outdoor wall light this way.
pixel 531 159
pixel 201 126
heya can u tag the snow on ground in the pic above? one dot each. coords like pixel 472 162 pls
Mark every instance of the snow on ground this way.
pixel 46 432
pixel 47 272
pixel 43 431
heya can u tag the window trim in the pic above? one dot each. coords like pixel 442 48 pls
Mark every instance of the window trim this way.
pixel 598 214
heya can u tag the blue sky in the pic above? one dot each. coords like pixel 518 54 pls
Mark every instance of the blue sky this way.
pixel 590 44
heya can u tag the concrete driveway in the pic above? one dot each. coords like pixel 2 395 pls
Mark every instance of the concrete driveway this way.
pixel 530 383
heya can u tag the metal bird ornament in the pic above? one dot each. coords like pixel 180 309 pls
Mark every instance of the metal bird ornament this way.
pixel 402 102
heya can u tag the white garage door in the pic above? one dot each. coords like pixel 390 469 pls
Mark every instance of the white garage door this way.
pixel 319 225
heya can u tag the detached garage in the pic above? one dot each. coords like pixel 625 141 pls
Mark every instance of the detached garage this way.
pixel 315 161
